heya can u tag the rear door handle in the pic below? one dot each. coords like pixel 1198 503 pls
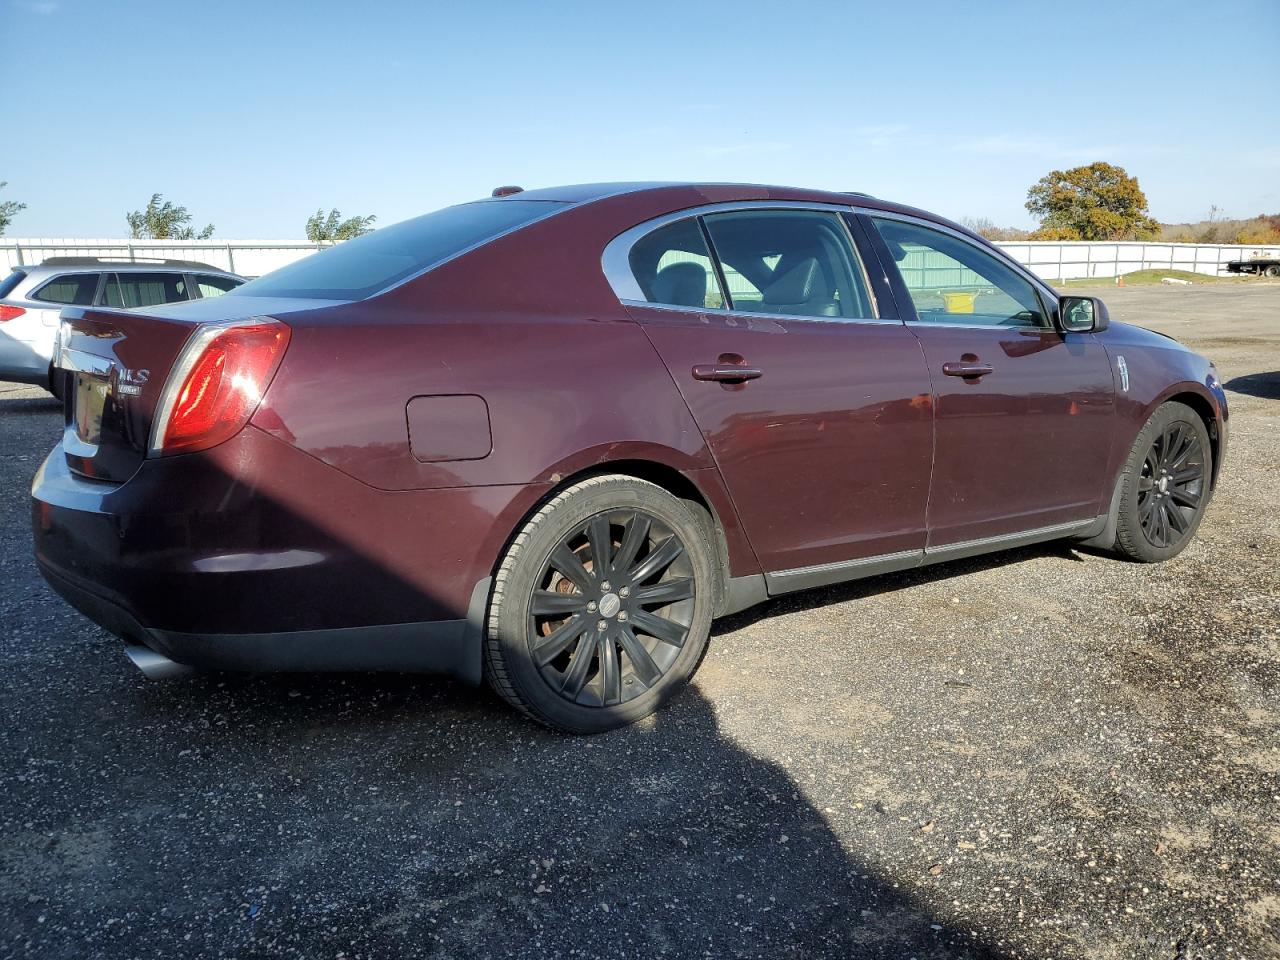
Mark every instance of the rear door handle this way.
pixel 726 372
pixel 966 370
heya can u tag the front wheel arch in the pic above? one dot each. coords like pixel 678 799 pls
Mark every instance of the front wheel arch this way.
pixel 1204 409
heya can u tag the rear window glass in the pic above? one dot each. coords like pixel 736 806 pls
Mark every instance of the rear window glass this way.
pixel 362 267
pixel 12 280
pixel 215 286
pixel 76 289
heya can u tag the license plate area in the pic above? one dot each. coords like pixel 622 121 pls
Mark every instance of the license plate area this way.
pixel 88 401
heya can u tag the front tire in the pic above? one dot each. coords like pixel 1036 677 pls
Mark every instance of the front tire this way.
pixel 1165 486
pixel 602 606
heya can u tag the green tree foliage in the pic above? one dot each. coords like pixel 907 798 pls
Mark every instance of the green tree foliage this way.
pixel 161 220
pixel 8 209
pixel 332 228
pixel 1097 202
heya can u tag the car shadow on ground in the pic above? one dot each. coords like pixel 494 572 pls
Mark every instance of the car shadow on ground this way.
pixel 405 816
pixel 1265 385
pixel 402 815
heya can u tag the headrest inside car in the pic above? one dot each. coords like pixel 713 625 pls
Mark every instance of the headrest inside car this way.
pixel 682 284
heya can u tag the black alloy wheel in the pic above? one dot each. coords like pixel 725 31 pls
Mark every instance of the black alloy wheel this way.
pixel 601 607
pixel 1171 485
pixel 1166 484
pixel 611 609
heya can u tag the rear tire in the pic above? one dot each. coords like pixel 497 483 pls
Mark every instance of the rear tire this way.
pixel 1272 271
pixel 1165 487
pixel 602 605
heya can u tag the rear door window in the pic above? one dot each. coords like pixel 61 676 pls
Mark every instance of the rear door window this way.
pixel 72 289
pixel 673 266
pixel 211 286
pixel 144 289
pixel 790 262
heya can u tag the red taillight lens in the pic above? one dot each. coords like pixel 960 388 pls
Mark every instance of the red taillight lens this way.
pixel 224 373
pixel 10 313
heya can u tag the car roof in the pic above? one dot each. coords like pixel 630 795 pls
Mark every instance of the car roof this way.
pixel 691 193
pixel 94 264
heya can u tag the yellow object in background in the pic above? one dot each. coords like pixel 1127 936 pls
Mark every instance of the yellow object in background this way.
pixel 959 302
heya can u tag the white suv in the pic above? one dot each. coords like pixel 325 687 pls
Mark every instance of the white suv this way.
pixel 32 297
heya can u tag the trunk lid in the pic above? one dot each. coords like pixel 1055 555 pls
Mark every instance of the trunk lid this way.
pixel 113 365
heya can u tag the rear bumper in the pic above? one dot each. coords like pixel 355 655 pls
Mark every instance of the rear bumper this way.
pixel 440 646
pixel 255 556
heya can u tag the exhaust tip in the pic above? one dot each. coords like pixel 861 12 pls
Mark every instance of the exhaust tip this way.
pixel 155 666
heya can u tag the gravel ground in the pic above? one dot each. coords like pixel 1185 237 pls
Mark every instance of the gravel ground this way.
pixel 1048 753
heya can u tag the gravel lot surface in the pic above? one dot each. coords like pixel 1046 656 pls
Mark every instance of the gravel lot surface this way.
pixel 1048 753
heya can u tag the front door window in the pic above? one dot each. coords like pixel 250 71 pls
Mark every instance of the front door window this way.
pixel 952 281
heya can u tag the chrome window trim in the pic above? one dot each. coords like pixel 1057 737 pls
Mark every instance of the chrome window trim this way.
pixel 749 315
pixel 615 261
pixel 1037 284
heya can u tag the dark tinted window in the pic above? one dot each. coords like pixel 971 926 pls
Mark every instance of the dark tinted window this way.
pixel 210 286
pixel 362 267
pixel 791 262
pixel 954 281
pixel 673 266
pixel 144 289
pixel 12 280
pixel 76 289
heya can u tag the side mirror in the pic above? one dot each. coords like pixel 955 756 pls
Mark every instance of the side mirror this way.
pixel 1083 314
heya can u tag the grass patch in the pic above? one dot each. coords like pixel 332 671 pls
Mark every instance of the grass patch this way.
pixel 1143 277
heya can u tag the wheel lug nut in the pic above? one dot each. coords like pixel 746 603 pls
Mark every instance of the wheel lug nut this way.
pixel 624 592
pixel 591 606
pixel 605 586
pixel 622 614
pixel 602 625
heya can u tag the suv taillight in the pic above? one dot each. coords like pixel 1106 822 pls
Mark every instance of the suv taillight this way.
pixel 217 383
pixel 10 313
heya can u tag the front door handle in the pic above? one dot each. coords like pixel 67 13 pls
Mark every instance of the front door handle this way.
pixel 966 369
pixel 726 372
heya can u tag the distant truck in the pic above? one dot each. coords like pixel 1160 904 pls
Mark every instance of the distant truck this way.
pixel 1259 266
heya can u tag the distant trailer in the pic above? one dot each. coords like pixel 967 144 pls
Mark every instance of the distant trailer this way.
pixel 1259 266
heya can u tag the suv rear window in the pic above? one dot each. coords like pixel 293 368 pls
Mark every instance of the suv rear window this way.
pixel 75 289
pixel 11 281
pixel 359 268
pixel 210 286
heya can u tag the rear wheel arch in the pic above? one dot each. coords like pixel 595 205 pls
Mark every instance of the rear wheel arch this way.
pixel 660 474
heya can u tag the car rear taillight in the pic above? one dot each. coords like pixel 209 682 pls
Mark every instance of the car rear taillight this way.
pixel 217 383
pixel 10 313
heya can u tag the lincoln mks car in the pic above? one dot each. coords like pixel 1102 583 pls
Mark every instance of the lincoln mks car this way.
pixel 545 438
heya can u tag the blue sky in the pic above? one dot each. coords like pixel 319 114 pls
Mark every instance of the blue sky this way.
pixel 255 114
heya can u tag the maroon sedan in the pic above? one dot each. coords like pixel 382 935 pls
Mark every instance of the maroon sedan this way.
pixel 547 437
